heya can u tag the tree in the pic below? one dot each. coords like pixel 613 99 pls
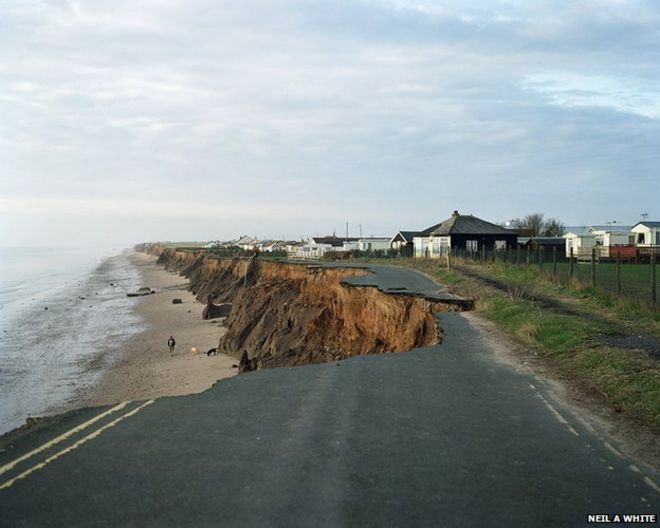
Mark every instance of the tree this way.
pixel 534 225
pixel 553 228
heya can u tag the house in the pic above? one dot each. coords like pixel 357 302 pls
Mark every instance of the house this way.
pixel 578 240
pixel 582 239
pixel 371 244
pixel 462 232
pixel 291 247
pixel 273 246
pixel 312 251
pixel 646 234
pixel 349 246
pixel 212 244
pixel 247 243
pixel 402 242
pixel 334 241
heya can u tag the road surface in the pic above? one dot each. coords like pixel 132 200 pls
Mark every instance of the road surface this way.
pixel 445 435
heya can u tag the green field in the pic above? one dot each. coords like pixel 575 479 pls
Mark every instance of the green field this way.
pixel 635 278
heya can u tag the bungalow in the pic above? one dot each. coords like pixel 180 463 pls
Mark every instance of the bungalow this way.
pixel 334 241
pixel 312 251
pixel 583 239
pixel 291 247
pixel 371 244
pixel 247 243
pixel 402 242
pixel 273 246
pixel 464 232
pixel 212 244
pixel 646 234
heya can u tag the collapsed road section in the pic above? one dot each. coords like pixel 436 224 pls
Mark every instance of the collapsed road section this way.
pixel 291 313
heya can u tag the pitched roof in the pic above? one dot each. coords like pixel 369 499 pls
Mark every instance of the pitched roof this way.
pixel 548 240
pixel 246 240
pixel 333 240
pixel 407 236
pixel 614 228
pixel 465 225
pixel 648 224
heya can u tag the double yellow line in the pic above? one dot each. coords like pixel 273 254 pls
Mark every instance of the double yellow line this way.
pixel 64 436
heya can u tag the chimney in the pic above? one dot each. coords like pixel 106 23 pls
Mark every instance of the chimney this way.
pixel 455 213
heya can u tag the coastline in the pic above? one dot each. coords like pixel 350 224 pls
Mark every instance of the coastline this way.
pixel 146 369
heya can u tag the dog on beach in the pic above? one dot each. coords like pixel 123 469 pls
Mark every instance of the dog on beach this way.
pixel 212 352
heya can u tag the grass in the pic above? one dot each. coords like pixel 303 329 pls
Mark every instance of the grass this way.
pixel 638 316
pixel 626 379
pixel 564 333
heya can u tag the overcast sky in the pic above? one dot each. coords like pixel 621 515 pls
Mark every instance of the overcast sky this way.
pixel 123 121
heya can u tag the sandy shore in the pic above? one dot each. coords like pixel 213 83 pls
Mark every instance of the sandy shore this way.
pixel 147 369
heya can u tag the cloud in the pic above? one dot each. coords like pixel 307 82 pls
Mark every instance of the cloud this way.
pixel 409 107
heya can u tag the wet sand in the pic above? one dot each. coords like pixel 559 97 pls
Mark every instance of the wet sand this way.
pixel 147 369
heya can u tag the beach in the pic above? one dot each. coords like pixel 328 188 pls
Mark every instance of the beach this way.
pixel 146 369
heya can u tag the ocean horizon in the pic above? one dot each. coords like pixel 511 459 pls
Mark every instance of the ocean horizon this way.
pixel 63 317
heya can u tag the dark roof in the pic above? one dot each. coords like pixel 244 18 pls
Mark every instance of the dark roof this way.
pixel 466 225
pixel 407 236
pixel 648 224
pixel 549 240
pixel 334 241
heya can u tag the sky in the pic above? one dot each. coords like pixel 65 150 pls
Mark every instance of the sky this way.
pixel 138 120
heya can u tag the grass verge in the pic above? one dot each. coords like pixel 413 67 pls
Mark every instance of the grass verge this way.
pixel 565 331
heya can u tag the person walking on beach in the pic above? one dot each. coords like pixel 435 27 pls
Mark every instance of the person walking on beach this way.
pixel 170 344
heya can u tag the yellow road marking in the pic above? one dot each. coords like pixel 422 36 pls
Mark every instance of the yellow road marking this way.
pixel 62 437
pixel 80 442
pixel 559 417
pixel 611 448
pixel 652 484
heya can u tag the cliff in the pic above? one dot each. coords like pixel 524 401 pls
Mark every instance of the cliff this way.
pixel 292 314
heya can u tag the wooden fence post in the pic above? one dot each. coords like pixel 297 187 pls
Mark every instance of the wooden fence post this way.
pixel 554 261
pixel 529 257
pixel 517 255
pixel 593 267
pixel 570 260
pixel 483 253
pixel 540 250
pixel 654 299
pixel 618 274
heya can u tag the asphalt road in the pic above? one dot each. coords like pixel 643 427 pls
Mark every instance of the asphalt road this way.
pixel 440 436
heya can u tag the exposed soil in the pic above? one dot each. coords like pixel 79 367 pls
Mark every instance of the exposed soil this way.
pixel 294 314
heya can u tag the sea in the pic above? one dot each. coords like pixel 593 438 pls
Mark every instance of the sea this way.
pixel 64 317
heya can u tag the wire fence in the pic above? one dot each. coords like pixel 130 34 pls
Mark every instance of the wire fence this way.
pixel 633 278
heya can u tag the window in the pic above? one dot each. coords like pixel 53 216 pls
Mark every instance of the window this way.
pixel 472 245
pixel 640 238
pixel 500 245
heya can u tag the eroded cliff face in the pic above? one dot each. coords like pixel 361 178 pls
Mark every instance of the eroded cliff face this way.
pixel 294 314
